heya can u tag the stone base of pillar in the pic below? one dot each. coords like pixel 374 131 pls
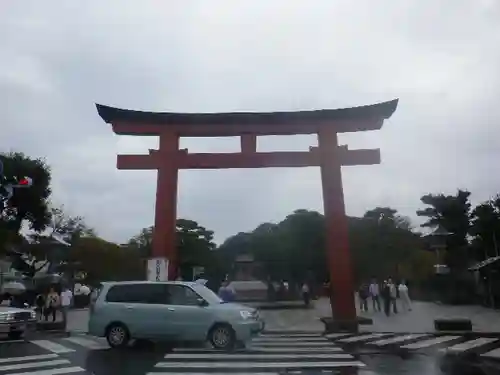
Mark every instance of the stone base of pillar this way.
pixel 347 326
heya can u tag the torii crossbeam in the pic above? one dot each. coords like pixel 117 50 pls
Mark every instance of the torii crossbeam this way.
pixel 329 156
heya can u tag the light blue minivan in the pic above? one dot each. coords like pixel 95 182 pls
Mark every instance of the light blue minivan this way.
pixel 173 311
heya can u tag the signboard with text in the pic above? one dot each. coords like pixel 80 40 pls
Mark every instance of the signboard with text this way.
pixel 158 269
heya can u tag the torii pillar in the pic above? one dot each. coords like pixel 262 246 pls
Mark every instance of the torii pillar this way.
pixel 329 156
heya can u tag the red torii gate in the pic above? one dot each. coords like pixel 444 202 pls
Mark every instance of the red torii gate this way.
pixel 329 156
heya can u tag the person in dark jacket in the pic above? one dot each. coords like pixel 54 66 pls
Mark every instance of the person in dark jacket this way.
pixel 386 297
pixel 39 305
pixel 363 294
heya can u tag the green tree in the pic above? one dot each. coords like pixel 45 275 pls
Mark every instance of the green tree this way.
pixel 388 216
pixel 380 247
pixel 27 205
pixel 194 244
pixel 100 260
pixel 294 249
pixel 52 246
pixel 485 229
pixel 452 213
pixel 143 241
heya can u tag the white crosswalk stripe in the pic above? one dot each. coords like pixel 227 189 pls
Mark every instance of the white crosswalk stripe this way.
pixel 266 355
pixel 287 339
pixel 71 344
pixel 429 342
pixel 42 364
pixel 87 343
pixel 469 345
pixel 53 347
pixel 448 344
pixel 398 339
pixel 363 337
pixel 337 335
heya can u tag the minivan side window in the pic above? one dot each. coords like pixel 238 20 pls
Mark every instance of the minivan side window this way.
pixel 182 295
pixel 138 293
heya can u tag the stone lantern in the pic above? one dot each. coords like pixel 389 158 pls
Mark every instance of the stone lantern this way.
pixel 438 244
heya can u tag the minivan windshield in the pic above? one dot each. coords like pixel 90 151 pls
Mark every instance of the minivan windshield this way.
pixel 207 294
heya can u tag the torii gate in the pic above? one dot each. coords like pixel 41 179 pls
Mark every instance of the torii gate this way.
pixel 329 156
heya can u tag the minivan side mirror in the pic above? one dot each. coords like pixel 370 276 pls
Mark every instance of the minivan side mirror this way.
pixel 201 302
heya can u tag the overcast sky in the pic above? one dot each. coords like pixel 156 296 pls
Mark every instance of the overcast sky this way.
pixel 441 58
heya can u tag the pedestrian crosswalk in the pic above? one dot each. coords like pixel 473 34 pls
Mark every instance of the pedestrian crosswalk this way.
pixel 41 364
pixel 269 354
pixel 486 347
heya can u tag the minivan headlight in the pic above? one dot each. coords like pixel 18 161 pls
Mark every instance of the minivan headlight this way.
pixel 246 314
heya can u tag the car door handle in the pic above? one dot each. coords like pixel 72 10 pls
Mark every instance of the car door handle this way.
pixel 129 307
pixel 170 309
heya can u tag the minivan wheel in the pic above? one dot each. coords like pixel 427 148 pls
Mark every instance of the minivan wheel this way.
pixel 222 337
pixel 117 335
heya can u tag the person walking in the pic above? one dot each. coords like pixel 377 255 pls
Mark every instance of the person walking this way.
pixel 363 297
pixel 39 305
pixel 393 295
pixel 374 290
pixel 405 297
pixel 306 295
pixel 386 297
pixel 66 297
pixel 225 293
pixel 51 304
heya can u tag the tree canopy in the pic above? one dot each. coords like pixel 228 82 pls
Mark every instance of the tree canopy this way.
pixel 294 249
pixel 194 245
pixel 453 214
pixel 29 205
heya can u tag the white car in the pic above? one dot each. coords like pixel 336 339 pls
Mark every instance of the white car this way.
pixel 14 321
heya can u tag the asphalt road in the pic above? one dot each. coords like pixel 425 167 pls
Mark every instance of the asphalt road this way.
pixel 304 353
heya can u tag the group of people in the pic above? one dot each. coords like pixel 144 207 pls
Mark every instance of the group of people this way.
pixel 386 292
pixel 49 304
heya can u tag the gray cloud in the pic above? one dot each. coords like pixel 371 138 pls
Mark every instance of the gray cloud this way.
pixel 439 57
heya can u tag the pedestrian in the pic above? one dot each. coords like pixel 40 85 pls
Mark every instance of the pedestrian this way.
pixel 404 295
pixel 393 295
pixel 386 297
pixel 306 294
pixel 375 294
pixel 39 305
pixel 363 297
pixel 51 305
pixel 66 297
pixel 226 293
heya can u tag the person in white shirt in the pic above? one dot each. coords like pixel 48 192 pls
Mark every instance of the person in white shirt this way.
pixel 394 295
pixel 374 290
pixel 403 294
pixel 66 297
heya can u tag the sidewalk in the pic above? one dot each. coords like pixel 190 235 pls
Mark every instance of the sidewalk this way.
pixel 78 320
pixel 419 320
pixel 423 314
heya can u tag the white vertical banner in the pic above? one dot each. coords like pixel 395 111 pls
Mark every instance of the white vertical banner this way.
pixel 158 269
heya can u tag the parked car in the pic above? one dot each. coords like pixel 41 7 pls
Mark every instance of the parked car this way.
pixel 15 321
pixel 173 311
